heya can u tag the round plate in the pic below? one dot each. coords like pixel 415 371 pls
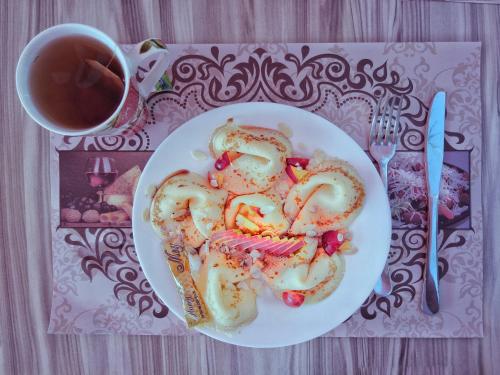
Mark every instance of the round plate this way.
pixel 276 324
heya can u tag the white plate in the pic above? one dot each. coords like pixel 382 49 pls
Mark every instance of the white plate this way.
pixel 276 324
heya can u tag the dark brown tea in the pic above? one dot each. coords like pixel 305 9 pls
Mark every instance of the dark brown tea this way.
pixel 76 82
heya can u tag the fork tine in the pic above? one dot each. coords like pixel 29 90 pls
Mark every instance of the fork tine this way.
pixel 381 121
pixel 395 132
pixel 388 124
pixel 373 126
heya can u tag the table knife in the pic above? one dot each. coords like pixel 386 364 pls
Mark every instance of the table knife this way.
pixel 434 152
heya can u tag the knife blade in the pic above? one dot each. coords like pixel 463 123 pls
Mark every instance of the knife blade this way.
pixel 434 153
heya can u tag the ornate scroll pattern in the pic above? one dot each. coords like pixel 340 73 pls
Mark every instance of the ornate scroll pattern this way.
pixel 304 80
pixel 411 49
pixel 406 264
pixel 110 252
pixel 137 142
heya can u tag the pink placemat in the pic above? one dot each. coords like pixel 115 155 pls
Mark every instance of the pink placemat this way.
pixel 98 283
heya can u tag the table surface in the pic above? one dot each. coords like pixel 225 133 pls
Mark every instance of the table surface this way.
pixel 25 239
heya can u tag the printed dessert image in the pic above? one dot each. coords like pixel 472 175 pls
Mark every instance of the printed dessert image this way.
pixel 100 194
pixel 262 219
pixel 408 191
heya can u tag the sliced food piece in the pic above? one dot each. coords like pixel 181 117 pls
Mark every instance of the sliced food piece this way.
pixel 215 179
pixel 281 247
pixel 246 225
pixel 296 174
pixel 225 159
pixel 263 210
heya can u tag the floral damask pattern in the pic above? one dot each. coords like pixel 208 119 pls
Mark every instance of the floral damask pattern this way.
pixel 341 83
pixel 136 142
pixel 111 252
pixel 411 49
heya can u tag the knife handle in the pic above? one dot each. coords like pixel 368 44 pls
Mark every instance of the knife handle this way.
pixel 430 296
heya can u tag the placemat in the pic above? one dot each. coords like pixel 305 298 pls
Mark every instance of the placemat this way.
pixel 98 283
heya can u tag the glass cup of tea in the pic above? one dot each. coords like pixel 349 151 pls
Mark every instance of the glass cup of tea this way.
pixel 74 80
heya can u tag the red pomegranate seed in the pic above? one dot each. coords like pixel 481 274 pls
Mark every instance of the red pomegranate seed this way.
pixel 292 299
pixel 297 162
pixel 222 162
pixel 331 241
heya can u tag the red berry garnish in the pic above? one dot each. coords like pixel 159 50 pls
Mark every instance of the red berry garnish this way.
pixel 331 241
pixel 293 299
pixel 297 162
pixel 222 162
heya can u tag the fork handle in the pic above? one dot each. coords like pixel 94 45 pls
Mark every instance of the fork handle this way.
pixel 382 166
pixel 383 286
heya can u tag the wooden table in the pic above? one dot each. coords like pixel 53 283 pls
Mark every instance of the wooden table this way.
pixel 26 266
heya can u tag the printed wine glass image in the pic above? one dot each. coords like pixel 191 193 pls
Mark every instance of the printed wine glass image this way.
pixel 100 172
pixel 98 188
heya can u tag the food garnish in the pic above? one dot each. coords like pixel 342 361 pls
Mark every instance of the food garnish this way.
pixel 226 158
pixel 292 298
pixel 298 162
pixel 295 168
pixel 332 240
pixel 195 310
pixel 295 173
pixel 269 245
pixel 215 179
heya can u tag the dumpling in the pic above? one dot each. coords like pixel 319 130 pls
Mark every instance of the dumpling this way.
pixel 186 200
pixel 329 197
pixel 328 285
pixel 221 281
pixel 310 270
pixel 259 156
pixel 258 213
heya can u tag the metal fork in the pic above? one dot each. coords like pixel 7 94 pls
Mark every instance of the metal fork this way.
pixel 384 134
